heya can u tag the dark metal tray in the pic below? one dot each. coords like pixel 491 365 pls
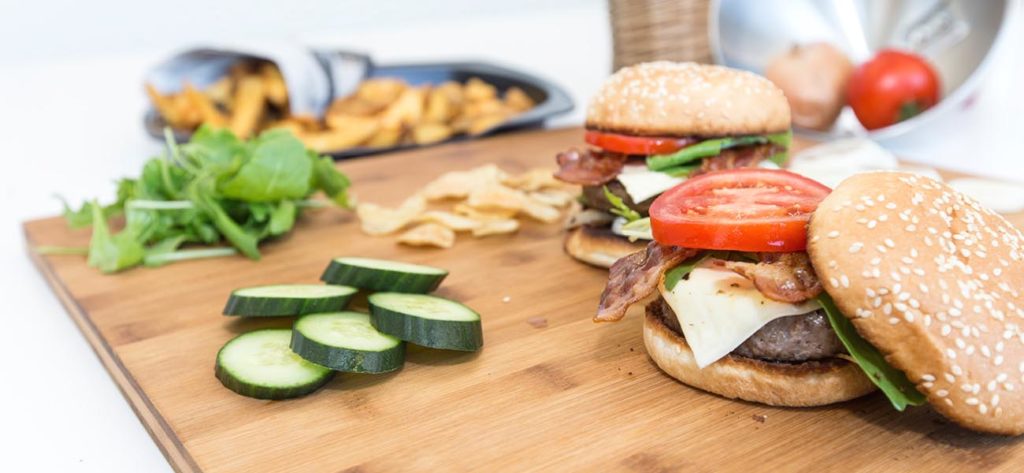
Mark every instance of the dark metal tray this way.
pixel 551 99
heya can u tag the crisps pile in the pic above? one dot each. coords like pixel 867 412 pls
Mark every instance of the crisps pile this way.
pixel 483 201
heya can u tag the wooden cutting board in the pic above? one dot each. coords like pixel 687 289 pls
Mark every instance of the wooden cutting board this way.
pixel 571 396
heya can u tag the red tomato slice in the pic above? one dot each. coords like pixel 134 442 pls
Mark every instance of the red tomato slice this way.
pixel 644 145
pixel 747 209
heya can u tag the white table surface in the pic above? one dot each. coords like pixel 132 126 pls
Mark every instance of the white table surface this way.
pixel 73 126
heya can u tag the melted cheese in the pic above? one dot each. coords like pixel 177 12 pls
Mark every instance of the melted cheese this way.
pixel 719 309
pixel 642 183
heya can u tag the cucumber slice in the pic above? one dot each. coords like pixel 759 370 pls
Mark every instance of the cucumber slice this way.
pixel 345 341
pixel 288 299
pixel 382 275
pixel 426 320
pixel 259 364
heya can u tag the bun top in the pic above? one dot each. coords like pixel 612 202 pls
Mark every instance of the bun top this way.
pixel 933 280
pixel 687 99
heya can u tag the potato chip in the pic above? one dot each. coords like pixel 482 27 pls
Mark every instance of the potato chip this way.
pixel 458 223
pixel 379 220
pixel 496 227
pixel 429 234
pixel 533 180
pixel 494 195
pixel 554 198
pixel 542 212
pixel 477 214
pixel 458 184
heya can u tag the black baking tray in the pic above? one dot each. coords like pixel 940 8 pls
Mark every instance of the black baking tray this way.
pixel 551 99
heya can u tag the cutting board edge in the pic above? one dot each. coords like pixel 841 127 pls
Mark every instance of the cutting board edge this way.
pixel 157 427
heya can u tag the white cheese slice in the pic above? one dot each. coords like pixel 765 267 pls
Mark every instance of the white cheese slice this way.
pixel 719 309
pixel 642 183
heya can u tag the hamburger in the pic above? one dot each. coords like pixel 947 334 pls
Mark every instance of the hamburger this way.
pixel 652 126
pixel 764 286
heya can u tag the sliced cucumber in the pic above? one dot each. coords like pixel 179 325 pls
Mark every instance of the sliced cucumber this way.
pixel 345 341
pixel 382 275
pixel 426 320
pixel 259 364
pixel 288 299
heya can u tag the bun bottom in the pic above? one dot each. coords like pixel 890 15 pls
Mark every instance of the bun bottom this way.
pixel 598 246
pixel 814 383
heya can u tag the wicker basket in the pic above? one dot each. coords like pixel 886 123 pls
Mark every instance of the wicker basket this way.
pixel 649 30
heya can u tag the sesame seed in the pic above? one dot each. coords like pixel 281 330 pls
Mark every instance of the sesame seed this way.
pixel 844 280
pixel 973 401
pixel 942 393
pixel 833 234
pixel 856 247
pixel 888 242
pixel 834 282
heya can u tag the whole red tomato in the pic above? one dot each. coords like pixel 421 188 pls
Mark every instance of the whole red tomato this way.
pixel 892 87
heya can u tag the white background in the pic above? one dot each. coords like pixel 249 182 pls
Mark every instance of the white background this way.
pixel 71 103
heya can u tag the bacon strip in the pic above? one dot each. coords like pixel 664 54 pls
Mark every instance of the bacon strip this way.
pixel 741 157
pixel 634 277
pixel 589 167
pixel 785 277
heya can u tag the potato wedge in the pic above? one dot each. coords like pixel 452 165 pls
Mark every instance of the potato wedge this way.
pixel 476 89
pixel 381 91
pixel 428 133
pixel 384 138
pixel 407 110
pixel 273 85
pixel 205 107
pixel 517 100
pixel 349 135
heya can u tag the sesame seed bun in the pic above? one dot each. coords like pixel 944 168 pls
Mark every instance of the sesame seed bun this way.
pixel 598 246
pixel 814 383
pixel 934 281
pixel 687 99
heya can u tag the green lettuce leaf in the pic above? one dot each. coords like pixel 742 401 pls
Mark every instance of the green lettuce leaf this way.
pixel 900 391
pixel 711 147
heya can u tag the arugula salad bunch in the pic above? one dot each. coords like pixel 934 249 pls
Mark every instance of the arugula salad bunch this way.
pixel 213 190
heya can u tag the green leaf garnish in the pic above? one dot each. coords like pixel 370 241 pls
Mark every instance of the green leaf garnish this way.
pixel 215 188
pixel 900 391
pixel 619 207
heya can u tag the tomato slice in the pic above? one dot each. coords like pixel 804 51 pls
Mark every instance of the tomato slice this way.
pixel 748 209
pixel 643 145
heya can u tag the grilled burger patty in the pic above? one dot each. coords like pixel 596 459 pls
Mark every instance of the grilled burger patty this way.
pixel 790 339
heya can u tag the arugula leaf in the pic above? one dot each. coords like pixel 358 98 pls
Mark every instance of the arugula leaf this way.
pixel 111 253
pixel 900 391
pixel 332 182
pixel 213 146
pixel 277 169
pixel 212 189
pixel 709 148
pixel 676 274
pixel 619 207
pixel 282 218
pixel 681 171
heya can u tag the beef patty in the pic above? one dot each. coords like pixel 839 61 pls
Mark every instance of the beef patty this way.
pixel 794 338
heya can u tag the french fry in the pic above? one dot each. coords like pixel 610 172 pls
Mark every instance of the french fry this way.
pixel 207 110
pixel 476 89
pixel 427 133
pixel 273 85
pixel 220 91
pixel 404 111
pixel 164 105
pixel 347 136
pixel 517 100
pixel 381 91
pixel 249 106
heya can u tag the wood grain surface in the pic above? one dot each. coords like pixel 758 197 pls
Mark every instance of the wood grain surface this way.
pixel 571 396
